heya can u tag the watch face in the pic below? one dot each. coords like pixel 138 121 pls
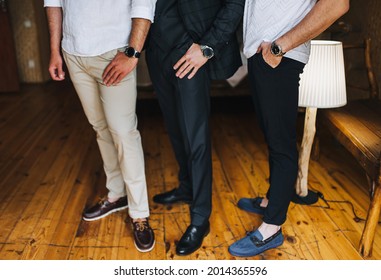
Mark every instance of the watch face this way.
pixel 275 49
pixel 130 51
pixel 208 52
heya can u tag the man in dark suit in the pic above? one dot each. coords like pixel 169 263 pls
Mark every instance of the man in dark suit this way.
pixel 190 43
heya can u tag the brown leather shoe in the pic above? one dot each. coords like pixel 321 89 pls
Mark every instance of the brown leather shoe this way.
pixel 104 208
pixel 143 235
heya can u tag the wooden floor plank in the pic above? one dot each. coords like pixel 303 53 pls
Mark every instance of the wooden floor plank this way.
pixel 68 221
pixel 50 170
pixel 52 193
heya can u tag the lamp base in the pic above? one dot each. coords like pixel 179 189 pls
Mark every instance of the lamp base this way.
pixel 311 198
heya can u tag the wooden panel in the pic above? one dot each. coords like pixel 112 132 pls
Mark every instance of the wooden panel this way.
pixel 8 66
pixel 31 40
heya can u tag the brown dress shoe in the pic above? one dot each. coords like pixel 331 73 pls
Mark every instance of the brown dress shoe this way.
pixel 104 208
pixel 144 236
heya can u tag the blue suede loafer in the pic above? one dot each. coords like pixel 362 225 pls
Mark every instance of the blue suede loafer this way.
pixel 252 205
pixel 252 244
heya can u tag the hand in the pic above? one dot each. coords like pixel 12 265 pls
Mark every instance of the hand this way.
pixel 192 60
pixel 268 57
pixel 118 68
pixel 55 67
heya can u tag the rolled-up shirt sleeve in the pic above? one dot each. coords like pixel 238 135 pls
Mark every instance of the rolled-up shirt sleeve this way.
pixel 143 9
pixel 52 3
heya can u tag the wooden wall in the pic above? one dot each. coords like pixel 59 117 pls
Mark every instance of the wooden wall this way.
pixel 365 18
pixel 31 39
pixel 373 29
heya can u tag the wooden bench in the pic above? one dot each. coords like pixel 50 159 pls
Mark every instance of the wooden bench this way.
pixel 357 126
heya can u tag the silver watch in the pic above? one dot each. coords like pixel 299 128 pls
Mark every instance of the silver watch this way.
pixel 207 51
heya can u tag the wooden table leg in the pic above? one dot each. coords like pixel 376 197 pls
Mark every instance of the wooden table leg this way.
pixel 367 238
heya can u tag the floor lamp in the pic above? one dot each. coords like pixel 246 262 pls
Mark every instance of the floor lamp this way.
pixel 322 85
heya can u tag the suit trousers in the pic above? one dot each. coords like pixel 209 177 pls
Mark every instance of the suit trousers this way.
pixel 275 94
pixel 185 104
pixel 111 112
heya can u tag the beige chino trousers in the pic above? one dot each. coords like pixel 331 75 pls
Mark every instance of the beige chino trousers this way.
pixel 111 112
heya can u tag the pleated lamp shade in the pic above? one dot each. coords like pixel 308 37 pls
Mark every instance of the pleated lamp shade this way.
pixel 322 84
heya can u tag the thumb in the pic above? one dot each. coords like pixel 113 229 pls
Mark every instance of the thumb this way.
pixel 61 73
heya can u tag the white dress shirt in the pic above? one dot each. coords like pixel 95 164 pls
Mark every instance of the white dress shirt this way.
pixel 94 27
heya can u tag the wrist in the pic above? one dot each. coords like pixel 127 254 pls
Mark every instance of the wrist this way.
pixel 55 48
pixel 54 54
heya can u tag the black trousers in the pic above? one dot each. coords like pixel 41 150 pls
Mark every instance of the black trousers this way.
pixel 185 105
pixel 275 94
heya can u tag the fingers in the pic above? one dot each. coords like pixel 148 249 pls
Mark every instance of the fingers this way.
pixel 187 66
pixel 112 76
pixel 108 75
pixel 61 74
pixel 52 72
pixel 56 73
pixel 272 60
pixel 268 57
pixel 190 62
pixel 117 69
pixel 184 70
pixel 193 73
pixel 116 78
pixel 55 67
pixel 112 79
pixel 265 44
pixel 106 72
pixel 180 62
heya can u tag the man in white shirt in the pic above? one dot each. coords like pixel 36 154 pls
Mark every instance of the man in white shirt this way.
pixel 101 44
pixel 276 43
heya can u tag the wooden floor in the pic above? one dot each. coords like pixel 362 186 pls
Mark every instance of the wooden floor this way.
pixel 50 170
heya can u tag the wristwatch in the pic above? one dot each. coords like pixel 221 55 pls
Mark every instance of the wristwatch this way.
pixel 131 52
pixel 276 49
pixel 207 51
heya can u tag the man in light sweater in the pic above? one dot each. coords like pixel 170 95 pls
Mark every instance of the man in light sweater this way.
pixel 276 43
pixel 101 44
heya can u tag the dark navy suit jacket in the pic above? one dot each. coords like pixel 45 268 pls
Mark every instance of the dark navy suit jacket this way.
pixel 179 23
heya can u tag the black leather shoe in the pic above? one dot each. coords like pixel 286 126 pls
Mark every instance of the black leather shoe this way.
pixel 192 239
pixel 172 196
